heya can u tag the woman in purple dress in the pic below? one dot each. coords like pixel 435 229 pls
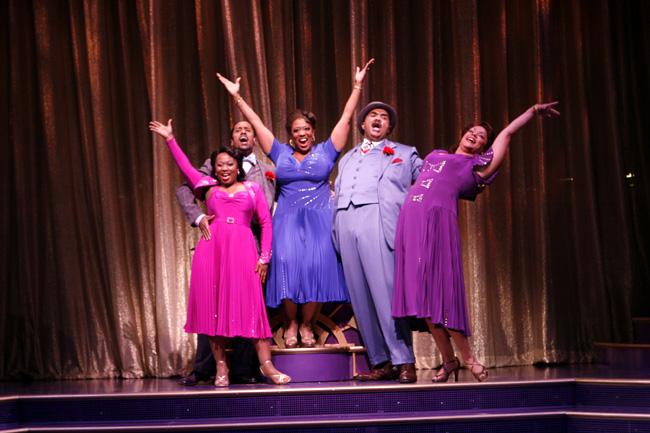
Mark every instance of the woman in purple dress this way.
pixel 429 280
pixel 304 268
pixel 226 297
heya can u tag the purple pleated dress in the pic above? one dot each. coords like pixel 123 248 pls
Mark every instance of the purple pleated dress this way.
pixel 429 270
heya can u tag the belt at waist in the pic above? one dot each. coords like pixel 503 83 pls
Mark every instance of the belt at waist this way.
pixel 231 220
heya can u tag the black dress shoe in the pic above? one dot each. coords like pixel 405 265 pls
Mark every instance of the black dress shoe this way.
pixel 194 378
pixel 242 379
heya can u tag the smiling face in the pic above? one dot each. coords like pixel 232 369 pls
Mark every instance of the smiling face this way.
pixel 474 141
pixel 226 168
pixel 376 125
pixel 243 137
pixel 302 135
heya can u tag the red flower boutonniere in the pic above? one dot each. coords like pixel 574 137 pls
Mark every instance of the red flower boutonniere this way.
pixel 269 175
pixel 388 151
pixel 396 160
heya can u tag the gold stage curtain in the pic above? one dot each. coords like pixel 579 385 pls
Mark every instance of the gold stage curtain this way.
pixel 96 254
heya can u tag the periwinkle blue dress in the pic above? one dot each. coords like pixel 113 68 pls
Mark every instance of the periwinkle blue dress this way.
pixel 304 265
pixel 429 279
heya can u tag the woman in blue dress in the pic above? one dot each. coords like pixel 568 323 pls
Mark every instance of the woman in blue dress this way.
pixel 304 267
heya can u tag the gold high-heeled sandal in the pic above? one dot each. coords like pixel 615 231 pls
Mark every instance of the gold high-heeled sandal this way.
pixel 482 375
pixel 443 374
pixel 307 340
pixel 221 381
pixel 290 342
pixel 277 378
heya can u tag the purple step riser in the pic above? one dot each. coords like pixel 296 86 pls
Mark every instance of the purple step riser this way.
pixel 320 367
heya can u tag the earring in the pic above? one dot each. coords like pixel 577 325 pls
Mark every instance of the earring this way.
pixel 291 142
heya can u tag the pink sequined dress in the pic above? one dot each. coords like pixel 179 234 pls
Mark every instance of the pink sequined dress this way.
pixel 429 279
pixel 225 292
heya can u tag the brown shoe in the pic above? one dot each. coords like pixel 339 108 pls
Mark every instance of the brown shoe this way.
pixel 407 373
pixel 383 373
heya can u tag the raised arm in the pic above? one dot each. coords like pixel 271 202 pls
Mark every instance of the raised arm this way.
pixel 187 201
pixel 264 135
pixel 342 129
pixel 191 174
pixel 502 141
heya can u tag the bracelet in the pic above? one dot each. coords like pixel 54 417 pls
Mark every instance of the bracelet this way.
pixel 536 108
pixel 358 87
pixel 238 101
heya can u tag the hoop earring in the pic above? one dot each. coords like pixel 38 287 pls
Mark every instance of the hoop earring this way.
pixel 291 142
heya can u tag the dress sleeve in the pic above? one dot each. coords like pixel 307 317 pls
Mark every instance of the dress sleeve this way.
pixel 186 199
pixel 264 219
pixel 481 161
pixel 330 150
pixel 194 177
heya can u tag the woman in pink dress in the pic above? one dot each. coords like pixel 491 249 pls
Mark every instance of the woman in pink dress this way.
pixel 226 297
pixel 429 279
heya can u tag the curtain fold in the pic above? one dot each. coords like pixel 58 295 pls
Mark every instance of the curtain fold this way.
pixel 95 256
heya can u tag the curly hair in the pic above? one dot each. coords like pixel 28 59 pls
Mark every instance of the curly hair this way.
pixel 233 153
pixel 308 116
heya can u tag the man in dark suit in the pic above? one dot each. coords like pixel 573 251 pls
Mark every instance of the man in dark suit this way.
pixel 244 365
pixel 373 182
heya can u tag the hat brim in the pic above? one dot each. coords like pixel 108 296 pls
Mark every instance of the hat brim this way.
pixel 377 104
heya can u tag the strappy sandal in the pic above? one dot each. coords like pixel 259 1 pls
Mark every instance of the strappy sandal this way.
pixel 290 342
pixel 482 375
pixel 307 339
pixel 277 378
pixel 221 381
pixel 443 374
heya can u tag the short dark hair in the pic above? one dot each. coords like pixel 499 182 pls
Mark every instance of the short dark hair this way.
pixel 234 153
pixel 300 114
pixel 484 125
pixel 232 130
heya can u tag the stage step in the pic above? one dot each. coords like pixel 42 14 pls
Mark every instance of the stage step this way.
pixel 628 355
pixel 542 422
pixel 321 364
pixel 641 330
pixel 569 405
pixel 621 355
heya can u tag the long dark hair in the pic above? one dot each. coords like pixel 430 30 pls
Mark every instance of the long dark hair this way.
pixel 234 153
pixel 488 130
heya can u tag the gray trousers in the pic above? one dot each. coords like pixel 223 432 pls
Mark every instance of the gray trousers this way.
pixel 369 269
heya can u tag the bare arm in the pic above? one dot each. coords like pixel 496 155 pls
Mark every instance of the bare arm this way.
pixel 264 135
pixel 341 130
pixel 502 141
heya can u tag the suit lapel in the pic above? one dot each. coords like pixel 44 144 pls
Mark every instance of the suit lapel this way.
pixel 386 159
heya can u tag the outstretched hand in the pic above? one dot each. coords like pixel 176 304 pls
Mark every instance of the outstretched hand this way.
pixel 547 109
pixel 165 130
pixel 361 73
pixel 232 88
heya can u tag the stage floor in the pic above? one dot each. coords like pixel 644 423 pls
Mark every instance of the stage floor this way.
pixel 500 376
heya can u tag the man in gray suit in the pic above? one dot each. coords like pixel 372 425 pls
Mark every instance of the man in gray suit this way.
pixel 373 182
pixel 243 368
